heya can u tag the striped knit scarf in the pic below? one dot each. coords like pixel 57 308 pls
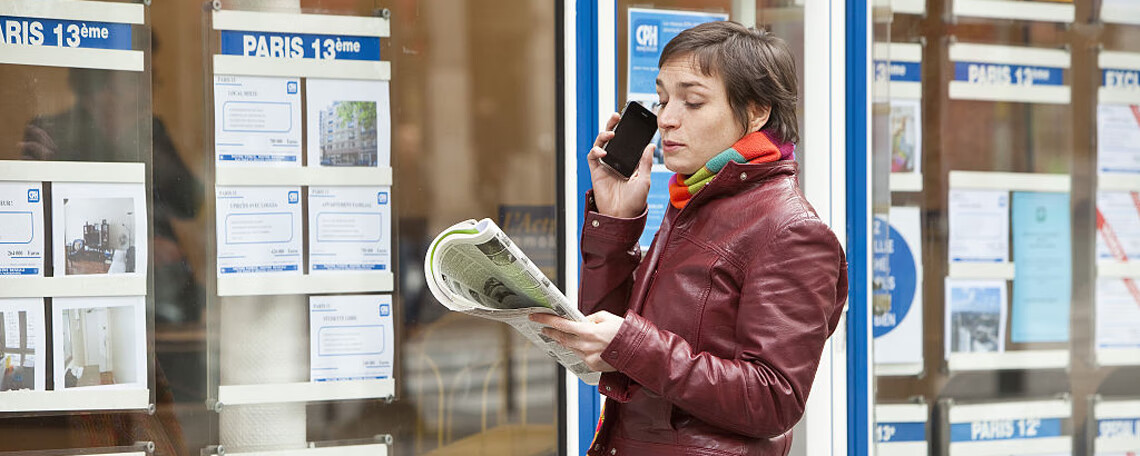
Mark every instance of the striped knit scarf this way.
pixel 755 147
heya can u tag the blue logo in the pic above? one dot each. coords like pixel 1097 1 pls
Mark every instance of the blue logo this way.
pixel 645 37
pixel 294 197
pixel 291 87
pixel 901 283
pixel 382 198
pixel 33 195
pixel 385 310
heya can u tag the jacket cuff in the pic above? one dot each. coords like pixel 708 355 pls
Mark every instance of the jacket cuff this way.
pixel 622 348
pixel 616 386
pixel 613 228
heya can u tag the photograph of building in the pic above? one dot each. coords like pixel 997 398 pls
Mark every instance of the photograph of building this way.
pixel 348 134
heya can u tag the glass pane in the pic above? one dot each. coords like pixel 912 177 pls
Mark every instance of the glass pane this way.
pixel 1015 168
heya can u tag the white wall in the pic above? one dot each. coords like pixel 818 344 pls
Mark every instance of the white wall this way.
pixel 121 324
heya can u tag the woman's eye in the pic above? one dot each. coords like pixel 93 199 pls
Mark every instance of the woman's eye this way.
pixel 693 105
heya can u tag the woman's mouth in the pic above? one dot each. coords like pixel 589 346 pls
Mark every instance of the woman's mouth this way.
pixel 671 146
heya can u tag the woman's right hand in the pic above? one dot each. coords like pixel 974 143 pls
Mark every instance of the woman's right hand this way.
pixel 614 195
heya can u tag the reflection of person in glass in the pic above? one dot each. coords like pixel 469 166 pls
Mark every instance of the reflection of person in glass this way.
pixel 726 316
pixel 104 125
pixel 108 123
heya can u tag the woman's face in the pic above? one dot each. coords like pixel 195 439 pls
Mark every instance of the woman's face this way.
pixel 694 116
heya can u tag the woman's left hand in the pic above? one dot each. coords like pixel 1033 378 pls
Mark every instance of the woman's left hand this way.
pixel 587 339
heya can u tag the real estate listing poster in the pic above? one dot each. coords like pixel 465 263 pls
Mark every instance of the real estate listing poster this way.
pixel 975 316
pixel 898 330
pixel 350 229
pixel 349 123
pixel 99 229
pixel 21 229
pixel 22 345
pixel 259 230
pixel 99 343
pixel 979 226
pixel 257 121
pixel 351 337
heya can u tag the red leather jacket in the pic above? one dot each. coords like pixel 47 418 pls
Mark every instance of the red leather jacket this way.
pixel 725 317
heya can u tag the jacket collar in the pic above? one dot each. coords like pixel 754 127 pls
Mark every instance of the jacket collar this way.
pixel 737 177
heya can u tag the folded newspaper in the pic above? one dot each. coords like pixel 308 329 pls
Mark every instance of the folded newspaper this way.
pixel 474 268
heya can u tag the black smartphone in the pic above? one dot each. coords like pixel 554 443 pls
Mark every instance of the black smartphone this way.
pixel 633 132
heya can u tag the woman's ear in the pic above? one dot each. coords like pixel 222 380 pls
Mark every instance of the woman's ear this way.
pixel 758 116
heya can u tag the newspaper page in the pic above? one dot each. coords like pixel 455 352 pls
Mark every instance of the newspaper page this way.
pixel 474 268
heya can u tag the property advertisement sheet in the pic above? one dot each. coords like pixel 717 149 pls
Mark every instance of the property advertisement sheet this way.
pixel 1118 138
pixel 257 121
pixel 1117 313
pixel 1042 251
pixel 1118 226
pixel 349 123
pixel 979 226
pixel 350 337
pixel 975 316
pixel 21 229
pixel 259 230
pixel 99 343
pixel 22 348
pixel 898 330
pixel 99 229
pixel 350 229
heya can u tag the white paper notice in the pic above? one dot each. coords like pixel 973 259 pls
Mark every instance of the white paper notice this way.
pixel 351 337
pixel 21 229
pixel 99 229
pixel 257 121
pixel 99 343
pixel 975 316
pixel 259 230
pixel 348 123
pixel 898 330
pixel 979 226
pixel 1118 138
pixel 22 353
pixel 1117 313
pixel 349 229
pixel 1119 218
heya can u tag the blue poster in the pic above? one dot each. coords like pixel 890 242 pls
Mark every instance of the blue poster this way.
pixel 649 31
pixel 658 203
pixel 1042 256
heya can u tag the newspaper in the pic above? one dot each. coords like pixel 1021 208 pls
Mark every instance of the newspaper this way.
pixel 474 268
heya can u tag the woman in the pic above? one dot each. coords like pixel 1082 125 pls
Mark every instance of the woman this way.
pixel 723 321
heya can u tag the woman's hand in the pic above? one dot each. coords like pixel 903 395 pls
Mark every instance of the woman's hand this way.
pixel 614 195
pixel 587 339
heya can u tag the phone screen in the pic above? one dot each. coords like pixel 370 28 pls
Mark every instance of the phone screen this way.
pixel 633 132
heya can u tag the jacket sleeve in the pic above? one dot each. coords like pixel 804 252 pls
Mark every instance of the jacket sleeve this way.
pixel 790 302
pixel 610 253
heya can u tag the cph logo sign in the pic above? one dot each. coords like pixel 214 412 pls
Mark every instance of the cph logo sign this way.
pixel 645 35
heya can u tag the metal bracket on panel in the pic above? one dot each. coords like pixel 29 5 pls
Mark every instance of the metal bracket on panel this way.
pixel 216 5
pixel 151 409
pixel 214 404
pixel 385 439
pixel 383 12
pixel 389 398
pixel 147 446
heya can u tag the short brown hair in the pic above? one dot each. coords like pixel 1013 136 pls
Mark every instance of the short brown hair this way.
pixel 756 66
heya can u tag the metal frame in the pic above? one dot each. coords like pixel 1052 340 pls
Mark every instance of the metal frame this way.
pixel 837 38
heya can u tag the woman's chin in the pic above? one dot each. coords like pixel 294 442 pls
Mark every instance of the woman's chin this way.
pixel 684 169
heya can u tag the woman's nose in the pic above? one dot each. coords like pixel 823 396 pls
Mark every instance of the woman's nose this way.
pixel 667 117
